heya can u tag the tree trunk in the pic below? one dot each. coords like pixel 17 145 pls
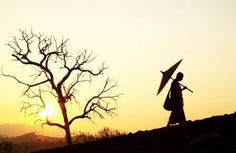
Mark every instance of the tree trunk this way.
pixel 67 126
pixel 68 135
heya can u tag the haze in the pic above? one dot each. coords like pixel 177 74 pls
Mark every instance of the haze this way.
pixel 137 39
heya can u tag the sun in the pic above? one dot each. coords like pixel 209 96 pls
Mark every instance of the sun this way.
pixel 47 113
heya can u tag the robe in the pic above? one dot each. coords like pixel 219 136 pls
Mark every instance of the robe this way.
pixel 177 114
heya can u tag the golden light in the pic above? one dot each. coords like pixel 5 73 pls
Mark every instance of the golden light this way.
pixel 47 113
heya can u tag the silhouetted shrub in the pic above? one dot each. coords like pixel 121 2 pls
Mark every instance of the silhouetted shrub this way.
pixel 83 137
pixel 106 132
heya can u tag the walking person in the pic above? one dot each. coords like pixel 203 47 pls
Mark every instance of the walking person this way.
pixel 177 113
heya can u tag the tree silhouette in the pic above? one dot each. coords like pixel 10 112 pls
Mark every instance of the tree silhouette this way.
pixel 56 72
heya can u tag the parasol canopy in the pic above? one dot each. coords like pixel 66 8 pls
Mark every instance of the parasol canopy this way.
pixel 167 75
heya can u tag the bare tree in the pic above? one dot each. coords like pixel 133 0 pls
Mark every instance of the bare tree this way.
pixel 57 72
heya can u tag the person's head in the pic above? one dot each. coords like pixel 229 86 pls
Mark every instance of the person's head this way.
pixel 179 76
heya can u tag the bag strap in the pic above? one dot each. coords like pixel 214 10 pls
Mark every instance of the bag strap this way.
pixel 169 94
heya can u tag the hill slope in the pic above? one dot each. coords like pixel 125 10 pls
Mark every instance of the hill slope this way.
pixel 32 137
pixel 12 130
pixel 212 135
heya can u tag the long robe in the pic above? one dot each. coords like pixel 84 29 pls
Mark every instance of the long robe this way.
pixel 177 114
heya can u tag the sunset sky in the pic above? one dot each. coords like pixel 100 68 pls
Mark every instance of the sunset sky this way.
pixel 137 39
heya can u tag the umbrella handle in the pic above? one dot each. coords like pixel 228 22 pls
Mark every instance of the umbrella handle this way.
pixel 184 86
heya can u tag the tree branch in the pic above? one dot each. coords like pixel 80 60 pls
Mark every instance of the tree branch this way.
pixel 97 102
pixel 29 86
pixel 53 124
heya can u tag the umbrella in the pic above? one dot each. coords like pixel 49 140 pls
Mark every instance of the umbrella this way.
pixel 167 75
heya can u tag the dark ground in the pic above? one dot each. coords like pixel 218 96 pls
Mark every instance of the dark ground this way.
pixel 212 135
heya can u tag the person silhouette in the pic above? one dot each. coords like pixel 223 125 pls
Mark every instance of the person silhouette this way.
pixel 177 113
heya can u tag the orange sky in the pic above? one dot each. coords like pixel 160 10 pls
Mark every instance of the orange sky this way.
pixel 137 39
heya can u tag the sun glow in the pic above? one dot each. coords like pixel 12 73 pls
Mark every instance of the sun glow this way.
pixel 47 113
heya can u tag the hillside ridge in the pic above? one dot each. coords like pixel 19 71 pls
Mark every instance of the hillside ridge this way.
pixel 214 134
